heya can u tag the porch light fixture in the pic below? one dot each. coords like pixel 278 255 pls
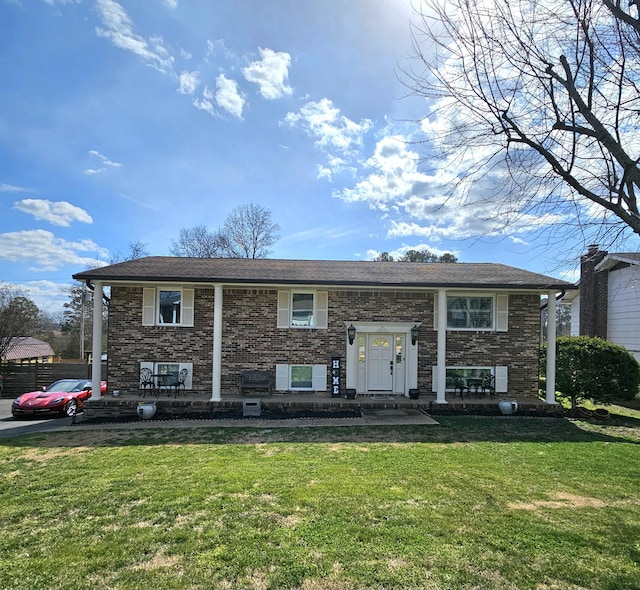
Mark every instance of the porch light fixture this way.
pixel 414 334
pixel 351 333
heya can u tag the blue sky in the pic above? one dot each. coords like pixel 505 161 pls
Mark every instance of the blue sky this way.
pixel 127 121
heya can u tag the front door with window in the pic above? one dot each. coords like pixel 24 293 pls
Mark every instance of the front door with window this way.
pixel 380 365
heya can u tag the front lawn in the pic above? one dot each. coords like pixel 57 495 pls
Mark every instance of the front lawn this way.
pixel 477 502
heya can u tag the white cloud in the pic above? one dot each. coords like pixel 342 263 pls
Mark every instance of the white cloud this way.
pixel 47 295
pixel 171 3
pixel 106 163
pixel 58 213
pixel 10 188
pixel 394 177
pixel 421 205
pixel 118 28
pixel 270 73
pixel 228 96
pixel 333 133
pixel 188 82
pixel 206 102
pixel 43 251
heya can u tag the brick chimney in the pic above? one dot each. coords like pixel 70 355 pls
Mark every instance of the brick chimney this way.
pixel 593 294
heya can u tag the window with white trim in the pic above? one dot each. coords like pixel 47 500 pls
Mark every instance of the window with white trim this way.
pixel 168 306
pixel 471 376
pixel 467 375
pixel 301 377
pixel 472 313
pixel 166 372
pixel 302 309
pixel 475 311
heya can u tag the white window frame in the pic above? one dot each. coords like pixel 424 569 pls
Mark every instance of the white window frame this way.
pixel 151 306
pixel 155 366
pixel 320 309
pixel 469 297
pixel 500 311
pixel 318 381
pixel 501 374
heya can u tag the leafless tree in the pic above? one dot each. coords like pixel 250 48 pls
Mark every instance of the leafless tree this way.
pixel 198 242
pixel 248 232
pixel 136 250
pixel 543 95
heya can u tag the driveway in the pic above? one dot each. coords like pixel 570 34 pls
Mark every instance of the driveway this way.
pixel 9 426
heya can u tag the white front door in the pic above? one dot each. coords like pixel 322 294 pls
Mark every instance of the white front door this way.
pixel 380 366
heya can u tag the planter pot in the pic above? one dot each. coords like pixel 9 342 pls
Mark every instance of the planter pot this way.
pixel 351 394
pixel 147 410
pixel 414 393
pixel 508 406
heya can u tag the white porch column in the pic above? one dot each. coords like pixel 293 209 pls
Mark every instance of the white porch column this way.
pixel 441 369
pixel 96 349
pixel 216 377
pixel 550 397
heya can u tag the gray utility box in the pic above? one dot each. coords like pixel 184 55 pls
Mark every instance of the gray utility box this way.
pixel 251 407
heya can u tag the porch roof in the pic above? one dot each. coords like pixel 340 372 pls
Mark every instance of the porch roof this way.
pixel 347 273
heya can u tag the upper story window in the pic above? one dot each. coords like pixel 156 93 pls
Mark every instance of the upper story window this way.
pixel 302 309
pixel 474 313
pixel 169 303
pixel 167 306
pixel 302 306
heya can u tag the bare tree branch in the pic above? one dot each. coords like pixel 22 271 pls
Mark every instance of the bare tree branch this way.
pixel 547 91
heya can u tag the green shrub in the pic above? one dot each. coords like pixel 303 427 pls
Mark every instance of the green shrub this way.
pixel 594 369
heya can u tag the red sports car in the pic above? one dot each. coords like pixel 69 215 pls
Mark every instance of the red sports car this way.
pixel 62 398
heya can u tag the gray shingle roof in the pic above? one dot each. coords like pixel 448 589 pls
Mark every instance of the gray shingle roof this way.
pixel 351 273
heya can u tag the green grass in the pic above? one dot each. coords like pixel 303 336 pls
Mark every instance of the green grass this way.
pixel 488 503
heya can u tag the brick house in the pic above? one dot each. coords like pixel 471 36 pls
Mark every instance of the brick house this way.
pixel 390 327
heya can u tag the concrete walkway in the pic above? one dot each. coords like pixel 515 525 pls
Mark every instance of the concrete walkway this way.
pixel 370 417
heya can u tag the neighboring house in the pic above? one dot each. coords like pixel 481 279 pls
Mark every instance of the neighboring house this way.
pixel 383 327
pixel 608 301
pixel 29 350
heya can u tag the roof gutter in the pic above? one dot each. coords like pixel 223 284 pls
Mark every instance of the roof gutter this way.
pixel 558 297
pixel 106 299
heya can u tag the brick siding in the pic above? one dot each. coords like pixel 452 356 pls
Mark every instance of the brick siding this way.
pixel 252 340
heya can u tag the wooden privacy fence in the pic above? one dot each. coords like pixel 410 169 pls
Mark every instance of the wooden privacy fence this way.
pixel 17 379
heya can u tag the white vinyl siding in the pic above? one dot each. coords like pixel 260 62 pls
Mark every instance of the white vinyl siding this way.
pixel 623 314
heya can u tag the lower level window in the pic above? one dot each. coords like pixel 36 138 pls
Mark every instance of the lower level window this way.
pixel 163 373
pixel 467 376
pixel 301 377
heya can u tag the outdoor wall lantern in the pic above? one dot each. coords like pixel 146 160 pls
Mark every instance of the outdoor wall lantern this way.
pixel 414 334
pixel 351 333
